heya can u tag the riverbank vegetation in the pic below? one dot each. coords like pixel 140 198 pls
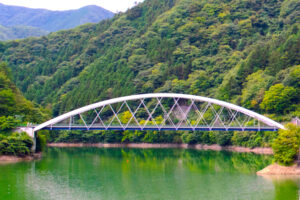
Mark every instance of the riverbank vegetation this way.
pixel 17 144
pixel 286 145
pixel 244 139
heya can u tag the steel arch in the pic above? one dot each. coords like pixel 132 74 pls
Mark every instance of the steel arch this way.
pixel 245 111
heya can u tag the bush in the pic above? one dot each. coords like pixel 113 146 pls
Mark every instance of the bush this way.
pixel 252 139
pixel 208 137
pixel 8 123
pixel 189 138
pixel 112 136
pixel 286 145
pixel 18 144
pixel 151 137
pixel 70 137
pixel 224 138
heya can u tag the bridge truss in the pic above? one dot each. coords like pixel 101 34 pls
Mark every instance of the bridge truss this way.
pixel 162 111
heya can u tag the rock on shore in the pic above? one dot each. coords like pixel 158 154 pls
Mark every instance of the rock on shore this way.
pixel 4 159
pixel 276 169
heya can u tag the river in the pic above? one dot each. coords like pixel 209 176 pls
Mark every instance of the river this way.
pixel 142 174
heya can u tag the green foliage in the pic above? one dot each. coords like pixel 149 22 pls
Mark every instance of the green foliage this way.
pixel 254 89
pixel 244 52
pixel 151 137
pixel 116 137
pixel 13 103
pixel 134 13
pixel 231 50
pixel 246 139
pixel 286 145
pixel 19 32
pixel 253 139
pixel 189 138
pixel 278 99
pixel 224 138
pixel 15 109
pixel 18 144
pixel 125 117
pixel 8 123
pixel 134 137
pixel 208 138
pixel 293 78
pixel 41 141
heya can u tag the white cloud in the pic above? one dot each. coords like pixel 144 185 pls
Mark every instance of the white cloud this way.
pixel 112 5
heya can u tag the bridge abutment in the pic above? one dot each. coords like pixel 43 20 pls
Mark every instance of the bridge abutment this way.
pixel 28 130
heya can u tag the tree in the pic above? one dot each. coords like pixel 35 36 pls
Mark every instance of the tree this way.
pixel 278 98
pixel 125 117
pixel 293 79
pixel 18 144
pixel 7 123
pixel 286 145
pixel 254 88
pixel 199 82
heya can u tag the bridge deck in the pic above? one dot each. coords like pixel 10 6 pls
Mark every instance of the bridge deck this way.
pixel 163 128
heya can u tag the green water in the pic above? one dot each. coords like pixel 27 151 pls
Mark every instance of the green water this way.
pixel 94 173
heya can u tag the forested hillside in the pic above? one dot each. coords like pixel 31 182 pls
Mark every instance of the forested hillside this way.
pixel 14 107
pixel 17 32
pixel 242 51
pixel 16 110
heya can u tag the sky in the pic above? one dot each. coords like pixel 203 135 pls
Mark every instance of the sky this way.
pixel 112 5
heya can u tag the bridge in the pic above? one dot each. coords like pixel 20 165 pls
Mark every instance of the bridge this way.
pixel 160 111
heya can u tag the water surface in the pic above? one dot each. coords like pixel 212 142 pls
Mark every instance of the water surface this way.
pixel 168 174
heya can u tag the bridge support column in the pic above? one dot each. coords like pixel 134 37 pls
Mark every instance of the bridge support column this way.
pixel 33 148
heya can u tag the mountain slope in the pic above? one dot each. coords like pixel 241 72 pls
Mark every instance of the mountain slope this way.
pixel 245 52
pixel 19 32
pixel 51 20
pixel 13 104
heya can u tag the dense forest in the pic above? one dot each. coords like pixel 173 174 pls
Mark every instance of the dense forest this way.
pixel 14 104
pixel 15 110
pixel 16 32
pixel 245 52
pixel 242 51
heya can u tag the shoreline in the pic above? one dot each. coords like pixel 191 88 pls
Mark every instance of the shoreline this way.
pixel 8 159
pixel 215 147
pixel 276 169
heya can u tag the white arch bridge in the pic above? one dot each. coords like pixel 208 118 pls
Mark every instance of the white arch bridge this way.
pixel 161 111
